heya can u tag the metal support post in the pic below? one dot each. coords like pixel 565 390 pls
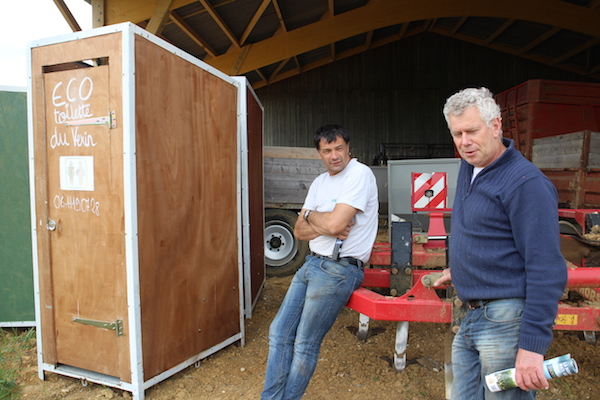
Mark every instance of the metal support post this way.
pixel 401 268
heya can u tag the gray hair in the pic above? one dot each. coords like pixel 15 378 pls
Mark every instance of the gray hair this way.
pixel 481 98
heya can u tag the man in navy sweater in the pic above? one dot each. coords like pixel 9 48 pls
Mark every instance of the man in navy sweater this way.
pixel 504 254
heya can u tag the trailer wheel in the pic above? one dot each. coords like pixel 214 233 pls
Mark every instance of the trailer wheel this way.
pixel 284 254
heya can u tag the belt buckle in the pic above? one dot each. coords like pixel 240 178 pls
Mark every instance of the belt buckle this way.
pixel 475 304
pixel 354 261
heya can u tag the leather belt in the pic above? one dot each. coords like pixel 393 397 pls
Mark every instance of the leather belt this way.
pixel 349 260
pixel 475 304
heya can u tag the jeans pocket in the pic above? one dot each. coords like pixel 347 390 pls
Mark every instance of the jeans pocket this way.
pixel 334 269
pixel 358 280
pixel 509 310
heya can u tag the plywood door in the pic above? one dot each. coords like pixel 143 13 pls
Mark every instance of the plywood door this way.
pixel 86 260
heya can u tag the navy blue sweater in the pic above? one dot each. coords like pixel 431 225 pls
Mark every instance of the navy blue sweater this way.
pixel 504 242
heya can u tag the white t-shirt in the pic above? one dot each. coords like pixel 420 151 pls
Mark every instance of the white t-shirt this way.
pixel 355 186
pixel 476 171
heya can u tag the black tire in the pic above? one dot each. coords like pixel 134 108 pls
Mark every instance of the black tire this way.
pixel 284 254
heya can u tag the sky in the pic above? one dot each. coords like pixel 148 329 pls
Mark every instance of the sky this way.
pixel 26 21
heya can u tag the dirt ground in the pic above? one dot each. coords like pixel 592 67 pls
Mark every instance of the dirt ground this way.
pixel 348 368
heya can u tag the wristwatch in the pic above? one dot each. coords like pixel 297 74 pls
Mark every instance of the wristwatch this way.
pixel 306 214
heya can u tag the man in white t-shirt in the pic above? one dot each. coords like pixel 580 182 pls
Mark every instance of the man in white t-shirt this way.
pixel 339 218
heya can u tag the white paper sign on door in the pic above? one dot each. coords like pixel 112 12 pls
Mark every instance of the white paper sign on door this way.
pixel 77 173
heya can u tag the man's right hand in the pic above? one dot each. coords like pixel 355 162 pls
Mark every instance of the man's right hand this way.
pixel 530 371
pixel 445 279
pixel 346 231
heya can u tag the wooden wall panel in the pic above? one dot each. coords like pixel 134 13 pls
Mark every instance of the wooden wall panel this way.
pixel 186 123
pixel 255 193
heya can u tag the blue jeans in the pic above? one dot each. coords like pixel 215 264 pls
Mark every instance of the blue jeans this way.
pixel 317 294
pixel 487 342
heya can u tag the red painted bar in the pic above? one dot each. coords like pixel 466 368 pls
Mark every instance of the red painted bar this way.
pixel 584 277
pixel 421 304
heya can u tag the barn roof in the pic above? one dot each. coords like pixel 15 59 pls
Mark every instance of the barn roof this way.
pixel 271 40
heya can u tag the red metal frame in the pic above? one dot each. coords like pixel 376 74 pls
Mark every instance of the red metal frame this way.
pixel 418 304
pixel 576 214
pixel 422 304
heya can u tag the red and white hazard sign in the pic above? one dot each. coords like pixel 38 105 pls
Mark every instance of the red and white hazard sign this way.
pixel 429 191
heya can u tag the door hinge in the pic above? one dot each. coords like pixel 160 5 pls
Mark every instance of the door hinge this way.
pixel 110 120
pixel 116 326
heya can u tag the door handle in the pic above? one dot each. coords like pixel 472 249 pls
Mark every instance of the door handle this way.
pixel 51 225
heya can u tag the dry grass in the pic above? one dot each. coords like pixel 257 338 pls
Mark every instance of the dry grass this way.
pixel 13 342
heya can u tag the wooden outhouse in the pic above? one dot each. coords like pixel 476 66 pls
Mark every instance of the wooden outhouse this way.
pixel 146 206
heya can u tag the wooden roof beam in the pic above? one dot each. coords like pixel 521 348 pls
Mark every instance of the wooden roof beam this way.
pixel 135 11
pixel 457 26
pixel 499 31
pixel 575 51
pixel 340 56
pixel 279 15
pixel 297 62
pixel 369 40
pixel 262 76
pixel 217 18
pixel 390 39
pixel 97 13
pixel 159 17
pixel 403 29
pixel 379 14
pixel 261 9
pixel 429 24
pixel 539 40
pixel 241 56
pixel 68 16
pixel 515 52
pixel 551 32
pixel 278 69
pixel 180 22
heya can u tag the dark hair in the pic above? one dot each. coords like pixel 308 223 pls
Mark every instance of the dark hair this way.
pixel 330 134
